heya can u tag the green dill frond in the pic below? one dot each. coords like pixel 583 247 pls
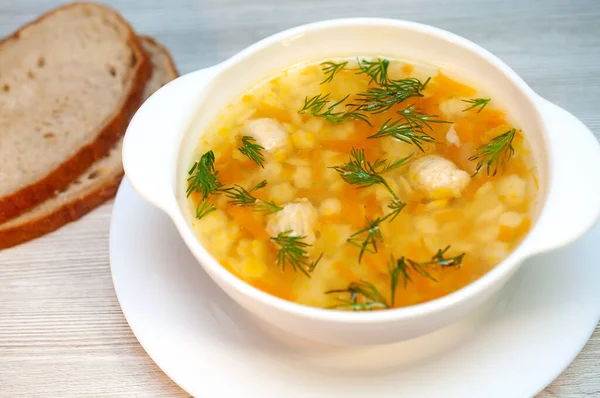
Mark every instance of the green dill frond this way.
pixel 359 171
pixel 362 296
pixel 293 251
pixel 477 103
pixel 318 106
pixel 252 150
pixel 377 70
pixel 203 208
pixel 495 154
pixel 331 69
pixel 203 176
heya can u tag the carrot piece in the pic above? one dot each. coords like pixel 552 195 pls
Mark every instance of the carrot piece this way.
pixel 247 221
pixel 448 87
pixel 352 209
pixel 448 215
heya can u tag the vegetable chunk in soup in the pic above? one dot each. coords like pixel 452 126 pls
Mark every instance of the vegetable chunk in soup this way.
pixel 361 184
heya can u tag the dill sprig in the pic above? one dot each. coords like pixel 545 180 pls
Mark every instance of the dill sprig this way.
pixel 417 119
pixel 292 251
pixel 495 153
pixel 359 171
pixel 252 150
pixel 331 68
pixel 403 131
pixel 438 259
pixel 382 99
pixel 318 106
pixel 366 239
pixel 377 70
pixel 203 208
pixel 203 176
pixel 410 130
pixel 477 103
pixel 242 197
pixel 396 207
pixel 363 296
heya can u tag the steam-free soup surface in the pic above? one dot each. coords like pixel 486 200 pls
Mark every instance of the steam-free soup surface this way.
pixel 361 184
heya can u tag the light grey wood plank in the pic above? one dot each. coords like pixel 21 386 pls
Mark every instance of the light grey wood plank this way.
pixel 61 329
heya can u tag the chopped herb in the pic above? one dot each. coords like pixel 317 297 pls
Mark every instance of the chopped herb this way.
pixel 415 118
pixel 404 132
pixel 363 296
pixel 477 103
pixel 204 207
pixel 495 154
pixel 203 176
pixel 366 239
pixel 412 129
pixel 331 68
pixel 267 206
pixel 316 105
pixel 377 70
pixel 252 150
pixel 382 99
pixel 439 259
pixel 396 207
pixel 292 251
pixel 359 171
pixel 241 197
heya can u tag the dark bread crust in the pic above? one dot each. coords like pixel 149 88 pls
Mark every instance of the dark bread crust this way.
pixel 152 41
pixel 79 206
pixel 31 195
pixel 69 212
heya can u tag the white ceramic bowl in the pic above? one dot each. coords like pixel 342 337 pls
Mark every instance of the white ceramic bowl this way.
pixel 159 145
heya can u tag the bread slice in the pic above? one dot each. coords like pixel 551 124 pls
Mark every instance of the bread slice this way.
pixel 97 184
pixel 69 83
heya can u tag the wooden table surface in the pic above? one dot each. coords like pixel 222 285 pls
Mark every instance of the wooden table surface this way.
pixel 62 332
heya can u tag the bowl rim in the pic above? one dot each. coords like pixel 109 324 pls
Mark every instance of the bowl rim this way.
pixel 498 273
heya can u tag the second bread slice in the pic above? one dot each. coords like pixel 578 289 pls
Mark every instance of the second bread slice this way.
pixel 69 83
pixel 97 184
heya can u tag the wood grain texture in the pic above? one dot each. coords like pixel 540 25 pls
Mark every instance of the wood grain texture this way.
pixel 62 333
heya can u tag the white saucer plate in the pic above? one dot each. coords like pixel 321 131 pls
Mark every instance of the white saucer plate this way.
pixel 205 342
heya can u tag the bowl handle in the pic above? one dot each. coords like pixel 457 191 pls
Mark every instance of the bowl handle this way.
pixel 151 143
pixel 573 204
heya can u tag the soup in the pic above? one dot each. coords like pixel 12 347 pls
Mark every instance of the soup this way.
pixel 361 184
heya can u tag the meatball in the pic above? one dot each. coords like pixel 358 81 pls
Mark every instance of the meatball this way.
pixel 268 133
pixel 438 178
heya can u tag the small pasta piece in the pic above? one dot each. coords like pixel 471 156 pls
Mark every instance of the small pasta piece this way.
pixel 303 177
pixel 272 172
pixel 330 207
pixel 438 177
pixel 221 240
pixel 268 133
pixel 426 225
pixel 511 219
pixel 397 149
pixel 512 189
pixel 453 108
pixel 304 140
pixel 211 223
pixel 299 217
pixel 334 235
pixel 495 252
pixel 253 258
pixel 283 192
pixel 487 234
pixel 490 216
